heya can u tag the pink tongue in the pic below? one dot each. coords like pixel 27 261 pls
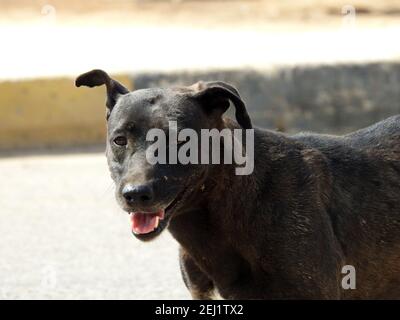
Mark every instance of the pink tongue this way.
pixel 143 223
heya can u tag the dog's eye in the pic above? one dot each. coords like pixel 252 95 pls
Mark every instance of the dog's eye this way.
pixel 121 141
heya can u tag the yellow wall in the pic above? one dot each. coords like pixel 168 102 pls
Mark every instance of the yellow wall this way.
pixel 51 112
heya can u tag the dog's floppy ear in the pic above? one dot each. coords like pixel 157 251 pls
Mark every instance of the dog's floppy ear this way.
pixel 217 94
pixel 98 77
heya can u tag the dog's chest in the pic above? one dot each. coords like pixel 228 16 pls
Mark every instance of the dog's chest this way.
pixel 208 245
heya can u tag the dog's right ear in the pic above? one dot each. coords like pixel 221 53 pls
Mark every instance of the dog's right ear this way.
pixel 96 78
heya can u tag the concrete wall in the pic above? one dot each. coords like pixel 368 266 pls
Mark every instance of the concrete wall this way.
pixel 52 112
pixel 329 99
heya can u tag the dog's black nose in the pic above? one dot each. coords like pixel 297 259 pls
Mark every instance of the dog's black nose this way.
pixel 139 194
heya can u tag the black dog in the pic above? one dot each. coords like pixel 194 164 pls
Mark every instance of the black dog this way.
pixel 313 204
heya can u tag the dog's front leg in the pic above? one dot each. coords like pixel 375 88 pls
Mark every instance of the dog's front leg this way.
pixel 198 283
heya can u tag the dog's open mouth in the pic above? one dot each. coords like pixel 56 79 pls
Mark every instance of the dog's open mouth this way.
pixel 146 225
pixel 143 223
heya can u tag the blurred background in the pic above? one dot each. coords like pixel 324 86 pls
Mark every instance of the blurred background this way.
pixel 327 66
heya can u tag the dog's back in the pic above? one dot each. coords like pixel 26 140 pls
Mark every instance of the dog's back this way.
pixel 364 203
pixel 385 133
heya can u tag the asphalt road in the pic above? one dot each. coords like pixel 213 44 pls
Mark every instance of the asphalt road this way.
pixel 63 237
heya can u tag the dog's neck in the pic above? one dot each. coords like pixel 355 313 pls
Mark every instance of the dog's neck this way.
pixel 213 209
pixel 217 204
pixel 206 222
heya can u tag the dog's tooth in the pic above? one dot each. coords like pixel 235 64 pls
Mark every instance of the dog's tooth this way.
pixel 157 221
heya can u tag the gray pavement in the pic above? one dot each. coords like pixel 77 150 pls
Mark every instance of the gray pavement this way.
pixel 63 236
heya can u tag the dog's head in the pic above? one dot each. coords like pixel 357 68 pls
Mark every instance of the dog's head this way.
pixel 153 193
